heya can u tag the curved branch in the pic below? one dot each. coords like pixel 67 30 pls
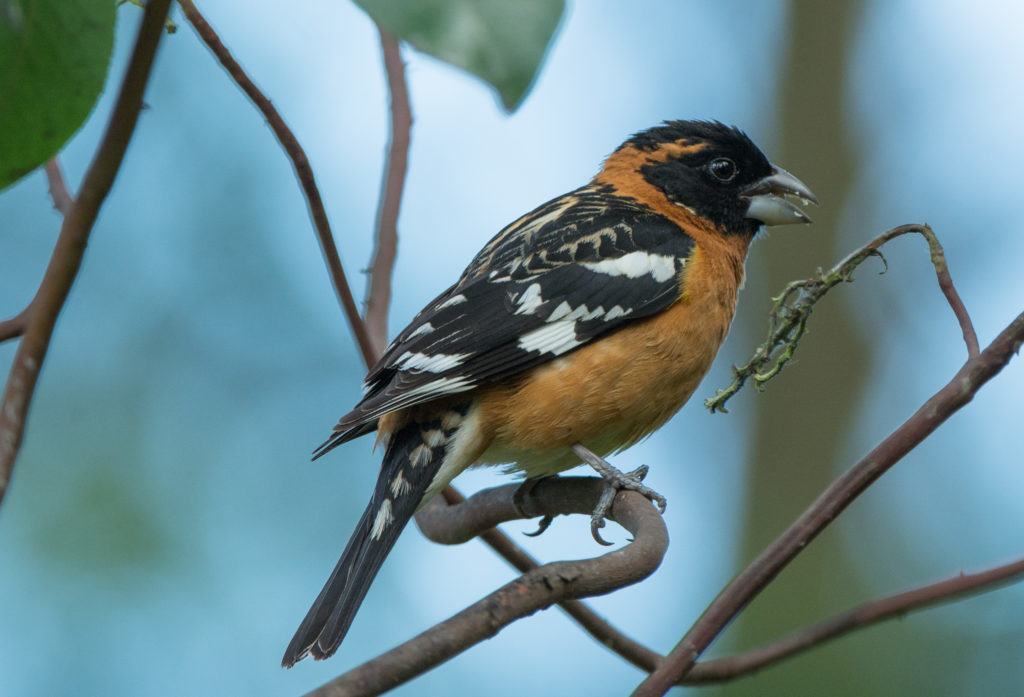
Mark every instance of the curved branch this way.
pixel 591 622
pixel 787 321
pixel 535 590
pixel 721 669
pixel 742 589
pixel 303 171
pixel 378 291
pixel 74 233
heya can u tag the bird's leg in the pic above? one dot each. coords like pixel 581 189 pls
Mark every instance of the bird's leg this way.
pixel 522 492
pixel 615 481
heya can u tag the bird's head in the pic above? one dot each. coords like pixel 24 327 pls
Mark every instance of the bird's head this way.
pixel 711 171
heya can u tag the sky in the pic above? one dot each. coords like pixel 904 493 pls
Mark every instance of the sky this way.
pixel 165 532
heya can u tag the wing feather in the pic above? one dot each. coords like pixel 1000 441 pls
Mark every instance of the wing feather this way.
pixel 577 268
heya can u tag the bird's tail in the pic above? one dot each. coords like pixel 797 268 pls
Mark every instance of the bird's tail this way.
pixel 411 461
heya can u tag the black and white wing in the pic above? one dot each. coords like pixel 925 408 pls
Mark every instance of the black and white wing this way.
pixel 578 267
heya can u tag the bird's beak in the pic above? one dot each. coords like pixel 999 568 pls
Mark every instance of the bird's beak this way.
pixel 768 202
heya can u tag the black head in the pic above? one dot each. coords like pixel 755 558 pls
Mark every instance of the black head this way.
pixel 718 173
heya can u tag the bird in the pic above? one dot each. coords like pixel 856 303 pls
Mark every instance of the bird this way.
pixel 590 320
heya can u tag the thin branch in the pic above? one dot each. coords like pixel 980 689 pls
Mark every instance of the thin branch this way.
pixel 62 200
pixel 74 233
pixel 792 309
pixel 303 171
pixel 742 589
pixel 378 291
pixel 721 669
pixel 535 590
pixel 15 326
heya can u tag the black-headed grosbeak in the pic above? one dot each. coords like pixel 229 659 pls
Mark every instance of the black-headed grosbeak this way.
pixel 591 319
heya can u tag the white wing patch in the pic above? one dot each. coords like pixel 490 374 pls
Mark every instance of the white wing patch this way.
pixel 530 300
pixel 451 385
pixel 424 328
pixel 635 265
pixel 435 363
pixel 616 311
pixel 556 338
pixel 454 300
pixel 565 312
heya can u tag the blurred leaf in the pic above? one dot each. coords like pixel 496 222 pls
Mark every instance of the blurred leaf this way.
pixel 54 56
pixel 104 529
pixel 500 41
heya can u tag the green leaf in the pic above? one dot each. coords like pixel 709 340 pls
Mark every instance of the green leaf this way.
pixel 501 41
pixel 54 56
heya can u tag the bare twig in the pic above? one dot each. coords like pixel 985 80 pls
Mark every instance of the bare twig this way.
pixel 67 254
pixel 303 171
pixel 62 203
pixel 15 326
pixel 378 287
pixel 741 590
pixel 537 589
pixel 62 200
pixel 792 309
pixel 865 615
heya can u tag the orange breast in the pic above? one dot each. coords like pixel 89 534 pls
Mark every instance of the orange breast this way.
pixel 616 390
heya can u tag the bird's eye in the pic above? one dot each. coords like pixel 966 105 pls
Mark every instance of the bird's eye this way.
pixel 722 169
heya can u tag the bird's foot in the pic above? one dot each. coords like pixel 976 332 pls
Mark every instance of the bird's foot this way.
pixel 615 481
pixel 518 498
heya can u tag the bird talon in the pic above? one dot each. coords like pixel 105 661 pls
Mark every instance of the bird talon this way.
pixel 596 523
pixel 545 523
pixel 614 482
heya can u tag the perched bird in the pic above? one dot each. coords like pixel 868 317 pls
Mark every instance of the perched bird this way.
pixel 589 320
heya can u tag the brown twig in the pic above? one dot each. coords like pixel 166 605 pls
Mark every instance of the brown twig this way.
pixel 62 200
pixel 792 310
pixel 15 326
pixel 378 286
pixel 731 667
pixel 538 588
pixel 62 203
pixel 741 590
pixel 303 171
pixel 67 254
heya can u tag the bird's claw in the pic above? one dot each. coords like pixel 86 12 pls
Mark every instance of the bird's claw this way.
pixel 545 522
pixel 616 481
pixel 518 498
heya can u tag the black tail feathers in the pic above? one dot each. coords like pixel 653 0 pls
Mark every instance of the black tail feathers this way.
pixel 410 463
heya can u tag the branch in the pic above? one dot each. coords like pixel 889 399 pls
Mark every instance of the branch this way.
pixel 378 292
pixel 303 171
pixel 788 318
pixel 62 200
pixel 535 590
pixel 74 233
pixel 595 625
pixel 15 326
pixel 722 669
pixel 741 590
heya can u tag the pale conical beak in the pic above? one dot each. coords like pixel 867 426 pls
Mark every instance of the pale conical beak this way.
pixel 768 202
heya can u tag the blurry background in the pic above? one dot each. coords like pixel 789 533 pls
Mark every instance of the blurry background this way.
pixel 165 531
